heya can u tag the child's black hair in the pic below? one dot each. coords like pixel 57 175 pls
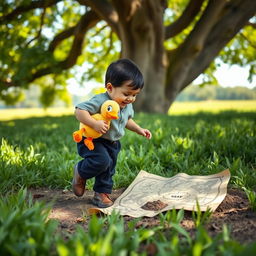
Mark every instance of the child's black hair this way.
pixel 124 70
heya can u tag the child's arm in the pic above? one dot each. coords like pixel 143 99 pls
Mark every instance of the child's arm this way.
pixel 85 117
pixel 132 126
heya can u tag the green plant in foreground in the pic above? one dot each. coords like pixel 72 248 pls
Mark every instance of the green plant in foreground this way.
pixel 26 230
pixel 111 236
pixel 105 236
pixel 24 227
pixel 199 217
pixel 251 195
pixel 172 216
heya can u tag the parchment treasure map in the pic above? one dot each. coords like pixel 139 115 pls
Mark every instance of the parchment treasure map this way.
pixel 150 194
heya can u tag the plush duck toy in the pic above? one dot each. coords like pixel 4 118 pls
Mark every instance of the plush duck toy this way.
pixel 109 111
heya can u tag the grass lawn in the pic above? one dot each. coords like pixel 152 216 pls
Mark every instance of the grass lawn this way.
pixel 191 139
pixel 198 138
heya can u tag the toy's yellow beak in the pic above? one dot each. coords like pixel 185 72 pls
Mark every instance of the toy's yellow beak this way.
pixel 112 115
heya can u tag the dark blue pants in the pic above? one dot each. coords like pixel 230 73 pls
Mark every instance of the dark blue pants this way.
pixel 99 163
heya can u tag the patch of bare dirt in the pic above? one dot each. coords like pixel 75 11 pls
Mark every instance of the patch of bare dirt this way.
pixel 154 205
pixel 234 211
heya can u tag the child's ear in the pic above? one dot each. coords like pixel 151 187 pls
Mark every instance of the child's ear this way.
pixel 109 87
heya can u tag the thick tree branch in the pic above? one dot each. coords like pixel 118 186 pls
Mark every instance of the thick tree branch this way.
pixel 192 9
pixel 40 28
pixel 87 21
pixel 60 37
pixel 105 11
pixel 236 16
pixel 195 40
pixel 205 24
pixel 25 8
pixel 192 47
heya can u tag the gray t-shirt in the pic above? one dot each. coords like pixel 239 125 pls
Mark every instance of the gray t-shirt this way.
pixel 117 127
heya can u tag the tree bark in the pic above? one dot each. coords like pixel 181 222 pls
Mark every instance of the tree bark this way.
pixel 142 35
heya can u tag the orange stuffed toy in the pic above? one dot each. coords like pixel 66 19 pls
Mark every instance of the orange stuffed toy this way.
pixel 109 111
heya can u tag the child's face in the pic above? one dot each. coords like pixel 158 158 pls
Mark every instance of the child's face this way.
pixel 123 95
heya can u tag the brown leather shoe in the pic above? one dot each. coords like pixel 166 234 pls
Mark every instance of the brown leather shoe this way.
pixel 102 200
pixel 78 183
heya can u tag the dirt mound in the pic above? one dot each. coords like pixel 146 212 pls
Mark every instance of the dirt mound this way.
pixel 234 211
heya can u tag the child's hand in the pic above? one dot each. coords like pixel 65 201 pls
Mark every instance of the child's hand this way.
pixel 132 126
pixel 101 126
pixel 146 133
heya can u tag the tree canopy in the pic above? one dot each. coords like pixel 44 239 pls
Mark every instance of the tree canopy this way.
pixel 173 42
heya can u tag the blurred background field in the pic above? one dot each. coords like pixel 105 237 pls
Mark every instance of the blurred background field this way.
pixel 212 106
pixel 178 108
pixel 22 113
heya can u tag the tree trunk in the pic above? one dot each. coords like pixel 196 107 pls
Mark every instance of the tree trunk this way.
pixel 142 36
pixel 141 32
